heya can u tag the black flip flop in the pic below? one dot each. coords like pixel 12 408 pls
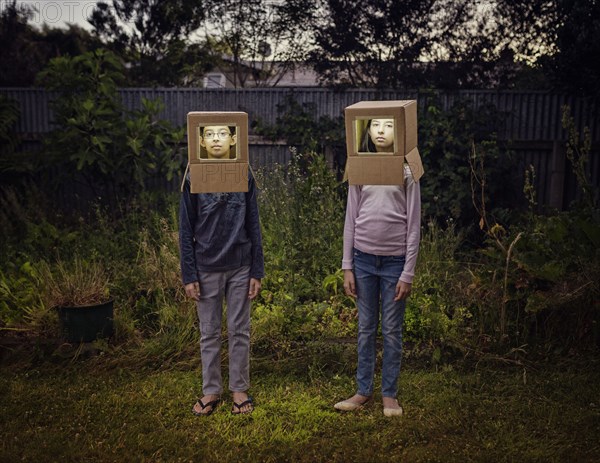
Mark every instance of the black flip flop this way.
pixel 241 405
pixel 213 404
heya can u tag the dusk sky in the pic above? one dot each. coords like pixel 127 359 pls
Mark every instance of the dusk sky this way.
pixel 57 13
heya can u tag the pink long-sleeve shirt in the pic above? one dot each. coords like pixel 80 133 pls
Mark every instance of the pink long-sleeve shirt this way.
pixel 384 220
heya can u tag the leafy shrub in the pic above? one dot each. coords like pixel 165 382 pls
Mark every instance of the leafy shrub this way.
pixel 20 295
pixel 548 280
pixel 139 255
pixel 436 311
pixel 9 140
pixel 537 278
pixel 302 219
pixel 297 125
pixel 447 140
pixel 110 147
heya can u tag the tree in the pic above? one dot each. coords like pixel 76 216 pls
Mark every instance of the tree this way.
pixel 26 50
pixel 437 43
pixel 18 46
pixel 152 37
pixel 526 27
pixel 262 40
pixel 381 42
pixel 575 66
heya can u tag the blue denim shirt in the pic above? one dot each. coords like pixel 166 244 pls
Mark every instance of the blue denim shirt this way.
pixel 219 232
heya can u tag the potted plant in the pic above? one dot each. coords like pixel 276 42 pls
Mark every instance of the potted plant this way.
pixel 80 293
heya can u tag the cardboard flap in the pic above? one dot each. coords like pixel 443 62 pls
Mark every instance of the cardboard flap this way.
pixel 345 178
pixel 219 178
pixel 375 170
pixel 413 159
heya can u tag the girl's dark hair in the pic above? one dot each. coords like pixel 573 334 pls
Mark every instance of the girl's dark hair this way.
pixel 366 144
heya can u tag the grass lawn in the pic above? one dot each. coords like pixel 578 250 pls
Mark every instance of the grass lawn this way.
pixel 97 409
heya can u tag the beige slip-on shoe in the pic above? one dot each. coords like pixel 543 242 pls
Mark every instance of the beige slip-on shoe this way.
pixel 348 406
pixel 393 411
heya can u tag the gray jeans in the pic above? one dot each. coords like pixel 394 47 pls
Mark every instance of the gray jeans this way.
pixel 233 285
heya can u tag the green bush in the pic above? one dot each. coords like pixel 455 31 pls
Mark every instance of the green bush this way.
pixel 9 140
pixel 297 125
pixel 302 218
pixel 530 279
pixel 447 140
pixel 112 149
pixel 436 311
pixel 536 279
pixel 20 295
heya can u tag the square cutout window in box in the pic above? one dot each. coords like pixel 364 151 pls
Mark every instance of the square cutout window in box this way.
pixel 218 143
pixel 375 135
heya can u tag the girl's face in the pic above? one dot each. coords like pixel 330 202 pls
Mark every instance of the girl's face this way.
pixel 381 132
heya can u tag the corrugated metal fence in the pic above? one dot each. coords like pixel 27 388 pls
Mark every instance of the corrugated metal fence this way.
pixel 532 125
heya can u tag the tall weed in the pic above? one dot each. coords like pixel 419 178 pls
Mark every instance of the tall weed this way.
pixel 302 214
pixel 302 219
pixel 537 276
pixel 437 310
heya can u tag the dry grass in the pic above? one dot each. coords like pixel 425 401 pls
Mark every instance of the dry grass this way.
pixel 77 283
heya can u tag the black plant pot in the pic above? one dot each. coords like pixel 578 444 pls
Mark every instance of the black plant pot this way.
pixel 87 323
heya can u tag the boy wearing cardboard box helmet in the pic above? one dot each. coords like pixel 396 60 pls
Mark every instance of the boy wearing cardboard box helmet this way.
pixel 221 254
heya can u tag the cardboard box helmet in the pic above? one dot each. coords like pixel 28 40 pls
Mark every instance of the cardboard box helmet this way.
pixel 380 137
pixel 218 151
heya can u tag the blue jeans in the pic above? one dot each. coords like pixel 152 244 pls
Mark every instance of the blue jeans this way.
pixel 376 279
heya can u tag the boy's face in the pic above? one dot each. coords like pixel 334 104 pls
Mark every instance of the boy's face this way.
pixel 217 139
pixel 382 134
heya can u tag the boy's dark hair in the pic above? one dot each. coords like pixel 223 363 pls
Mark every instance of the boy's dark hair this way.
pixel 230 127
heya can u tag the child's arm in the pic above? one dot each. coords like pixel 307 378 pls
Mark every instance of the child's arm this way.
pixel 257 268
pixel 187 219
pixel 349 283
pixel 254 288
pixel 413 228
pixel 349 224
pixel 403 290
pixel 192 290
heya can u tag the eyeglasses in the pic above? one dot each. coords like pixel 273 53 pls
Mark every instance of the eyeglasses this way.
pixel 222 134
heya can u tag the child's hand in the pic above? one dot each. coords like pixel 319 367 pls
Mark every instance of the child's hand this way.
pixel 349 283
pixel 402 290
pixel 254 288
pixel 193 290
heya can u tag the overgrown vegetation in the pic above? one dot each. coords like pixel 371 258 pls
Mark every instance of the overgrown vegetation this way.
pixel 448 139
pixel 487 279
pixel 298 125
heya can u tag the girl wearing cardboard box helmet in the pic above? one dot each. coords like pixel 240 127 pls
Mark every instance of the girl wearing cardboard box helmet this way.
pixel 381 242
